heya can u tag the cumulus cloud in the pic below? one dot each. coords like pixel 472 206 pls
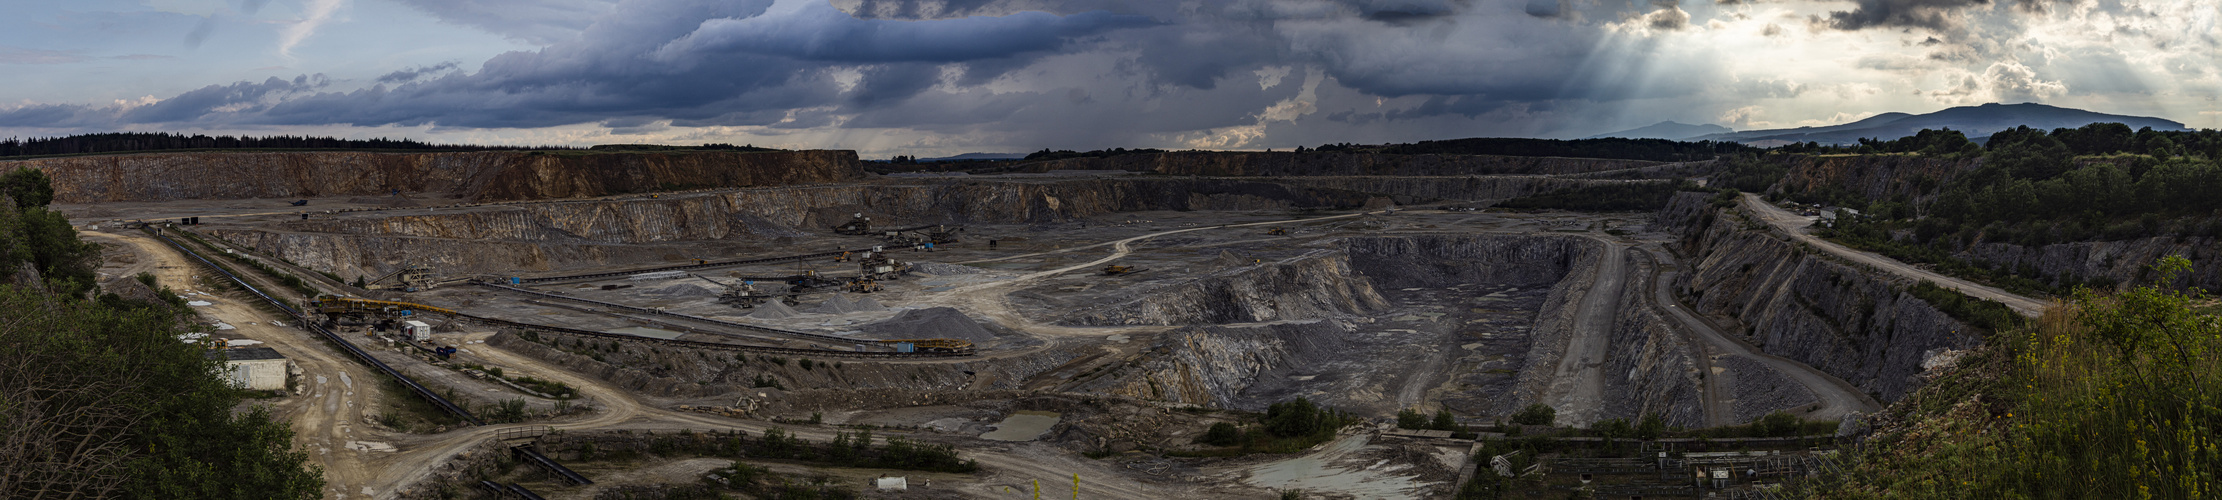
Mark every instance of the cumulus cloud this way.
pixel 2006 81
pixel 411 74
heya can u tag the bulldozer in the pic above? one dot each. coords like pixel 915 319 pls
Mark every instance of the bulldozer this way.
pixel 1276 231
pixel 864 285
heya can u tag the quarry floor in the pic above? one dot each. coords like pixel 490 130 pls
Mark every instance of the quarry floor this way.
pixel 1449 347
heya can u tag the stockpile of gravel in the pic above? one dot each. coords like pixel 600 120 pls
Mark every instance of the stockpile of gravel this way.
pixel 774 309
pixel 940 269
pixel 839 304
pixel 932 323
pixel 869 304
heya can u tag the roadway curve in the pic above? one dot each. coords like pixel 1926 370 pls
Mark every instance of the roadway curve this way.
pixel 1793 225
pixel 1838 398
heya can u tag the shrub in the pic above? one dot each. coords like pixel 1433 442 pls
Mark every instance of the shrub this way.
pixel 1535 414
pixel 1221 434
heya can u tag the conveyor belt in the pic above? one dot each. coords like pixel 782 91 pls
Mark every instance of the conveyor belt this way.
pixel 533 455
pixel 344 344
pixel 689 267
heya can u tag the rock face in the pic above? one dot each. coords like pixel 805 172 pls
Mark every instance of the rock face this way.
pixel 2120 262
pixel 1311 286
pixel 528 237
pixel 1797 304
pixel 1652 370
pixel 1220 366
pixel 1875 177
pixel 1228 163
pixel 480 176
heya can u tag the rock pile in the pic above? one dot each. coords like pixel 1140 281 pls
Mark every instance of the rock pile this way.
pixel 933 323
pixel 774 309
pixel 940 269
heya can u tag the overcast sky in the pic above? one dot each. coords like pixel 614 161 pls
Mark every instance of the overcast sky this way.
pixel 941 77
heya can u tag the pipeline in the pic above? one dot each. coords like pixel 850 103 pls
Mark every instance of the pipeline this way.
pixel 344 344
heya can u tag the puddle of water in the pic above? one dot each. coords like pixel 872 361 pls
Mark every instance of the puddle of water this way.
pixel 647 332
pixel 1317 472
pixel 1022 426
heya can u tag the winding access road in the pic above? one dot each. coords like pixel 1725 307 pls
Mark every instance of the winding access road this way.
pixel 1837 397
pixel 1794 225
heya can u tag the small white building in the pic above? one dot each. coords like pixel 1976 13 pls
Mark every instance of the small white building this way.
pixel 416 330
pixel 253 368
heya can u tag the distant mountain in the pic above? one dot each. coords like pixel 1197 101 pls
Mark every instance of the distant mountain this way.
pixel 1666 130
pixel 1976 121
pixel 978 156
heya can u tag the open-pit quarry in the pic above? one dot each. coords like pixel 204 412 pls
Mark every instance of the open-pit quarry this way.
pixel 1066 329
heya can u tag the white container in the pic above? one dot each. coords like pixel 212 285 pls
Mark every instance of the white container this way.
pixel 416 330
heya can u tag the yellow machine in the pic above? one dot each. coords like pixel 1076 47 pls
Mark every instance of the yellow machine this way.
pixel 935 345
pixel 1278 231
pixel 344 305
pixel 864 285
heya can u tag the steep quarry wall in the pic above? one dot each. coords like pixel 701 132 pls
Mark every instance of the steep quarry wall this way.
pixel 1800 305
pixel 2122 261
pixel 1875 177
pixel 534 236
pixel 1653 369
pixel 1222 366
pixel 479 176
pixel 1236 163
pixel 1311 286
pixel 1439 260
pixel 690 372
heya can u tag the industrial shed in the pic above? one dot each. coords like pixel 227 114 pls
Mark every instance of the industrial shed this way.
pixel 253 368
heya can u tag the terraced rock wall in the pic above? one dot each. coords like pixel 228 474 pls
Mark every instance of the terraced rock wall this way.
pixel 1797 303
pixel 1239 163
pixel 479 176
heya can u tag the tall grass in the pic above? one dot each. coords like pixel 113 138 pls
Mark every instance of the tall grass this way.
pixel 2109 396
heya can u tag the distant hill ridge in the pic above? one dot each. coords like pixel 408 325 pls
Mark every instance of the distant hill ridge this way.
pixel 1666 130
pixel 1976 121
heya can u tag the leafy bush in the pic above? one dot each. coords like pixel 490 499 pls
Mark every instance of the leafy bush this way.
pixel 1221 434
pixel 1535 414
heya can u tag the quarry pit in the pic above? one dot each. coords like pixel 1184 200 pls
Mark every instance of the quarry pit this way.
pixel 1124 313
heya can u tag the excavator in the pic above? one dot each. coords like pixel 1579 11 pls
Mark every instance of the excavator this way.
pixel 858 225
pixel 410 278
pixel 1117 270
pixel 745 295
pixel 1276 231
pixel 864 285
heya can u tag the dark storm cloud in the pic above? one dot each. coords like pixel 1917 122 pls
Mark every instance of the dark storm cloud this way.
pixel 1134 67
pixel 819 32
pixel 210 103
pixel 1930 14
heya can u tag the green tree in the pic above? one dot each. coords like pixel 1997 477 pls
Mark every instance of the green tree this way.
pixel 1444 421
pixel 1651 427
pixel 28 187
pixel 1535 414
pixel 1409 418
pixel 1222 434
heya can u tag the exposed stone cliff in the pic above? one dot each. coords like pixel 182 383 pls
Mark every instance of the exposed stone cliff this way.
pixel 480 176
pixel 1653 370
pixel 1799 304
pixel 1223 366
pixel 1875 177
pixel 1237 163
pixel 1312 286
pixel 2120 262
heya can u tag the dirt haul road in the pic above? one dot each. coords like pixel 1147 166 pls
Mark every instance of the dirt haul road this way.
pixel 335 390
pixel 1578 389
pixel 1794 226
pixel 1838 397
